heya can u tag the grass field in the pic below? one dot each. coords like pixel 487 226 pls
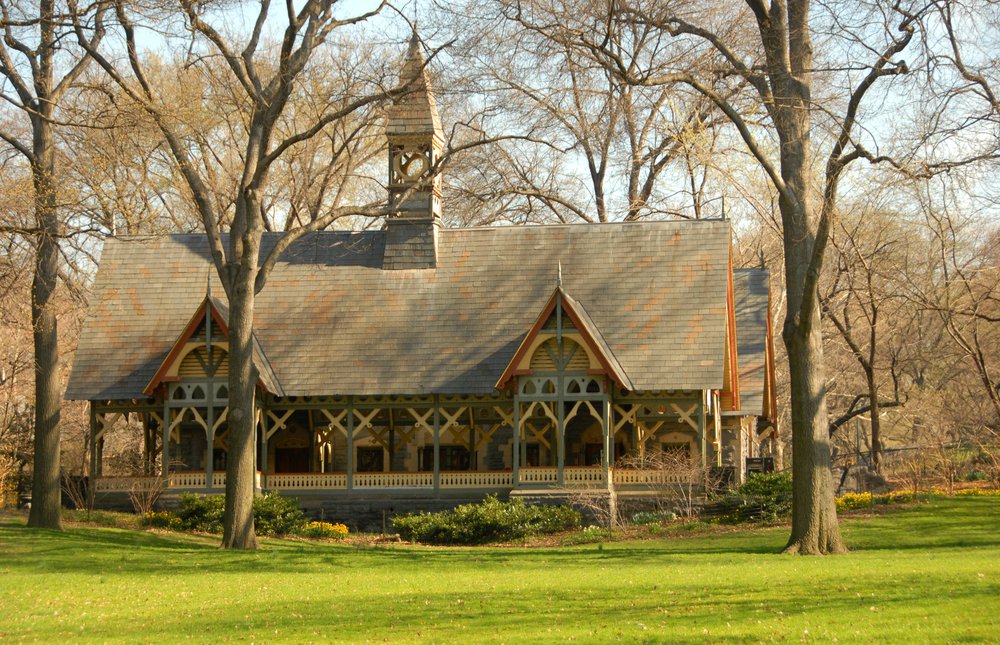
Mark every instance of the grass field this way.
pixel 924 573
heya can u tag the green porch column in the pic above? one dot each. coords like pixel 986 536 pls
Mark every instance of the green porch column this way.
pixel 92 484
pixel 515 455
pixel 350 443
pixel 165 453
pixel 560 439
pixel 437 445
pixel 210 436
pixel 609 440
pixel 263 444
pixel 701 429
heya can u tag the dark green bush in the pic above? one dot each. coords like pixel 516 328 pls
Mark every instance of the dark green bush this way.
pixel 765 497
pixel 201 512
pixel 489 521
pixel 272 514
pixel 277 515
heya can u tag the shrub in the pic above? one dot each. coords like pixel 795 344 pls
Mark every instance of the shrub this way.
pixel 201 513
pixel 489 521
pixel 277 515
pixel 273 514
pixel 765 497
pixel 976 476
pixel 321 530
pixel 645 518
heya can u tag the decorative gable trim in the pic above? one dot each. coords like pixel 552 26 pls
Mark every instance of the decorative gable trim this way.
pixel 219 315
pixel 588 332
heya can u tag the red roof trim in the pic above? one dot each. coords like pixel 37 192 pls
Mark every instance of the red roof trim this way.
pixel 522 349
pixel 510 372
pixel 175 351
pixel 734 368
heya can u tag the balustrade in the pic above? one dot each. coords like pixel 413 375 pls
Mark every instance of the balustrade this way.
pixel 537 475
pixel 297 481
pixel 583 475
pixel 194 479
pixel 393 480
pixel 480 479
pixel 632 477
pixel 117 484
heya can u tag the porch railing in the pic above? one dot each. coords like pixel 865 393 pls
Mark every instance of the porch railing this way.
pixel 187 480
pixel 539 475
pixel 118 484
pixel 630 477
pixel 583 475
pixel 393 480
pixel 572 476
pixel 299 481
pixel 477 479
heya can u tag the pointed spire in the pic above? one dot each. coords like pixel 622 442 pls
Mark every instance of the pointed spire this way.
pixel 559 275
pixel 415 113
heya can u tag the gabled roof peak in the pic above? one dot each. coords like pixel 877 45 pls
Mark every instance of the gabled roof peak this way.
pixel 214 309
pixel 584 325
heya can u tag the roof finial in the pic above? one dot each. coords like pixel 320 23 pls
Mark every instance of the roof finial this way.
pixel 208 283
pixel 559 275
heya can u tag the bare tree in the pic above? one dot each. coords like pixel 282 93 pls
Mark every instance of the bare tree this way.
pixel 36 44
pixel 608 149
pixel 793 88
pixel 868 253
pixel 264 80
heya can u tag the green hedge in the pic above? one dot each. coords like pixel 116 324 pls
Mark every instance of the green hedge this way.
pixel 489 521
pixel 273 515
pixel 765 497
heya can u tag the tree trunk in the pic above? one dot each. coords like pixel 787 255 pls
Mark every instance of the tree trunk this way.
pixel 875 424
pixel 814 514
pixel 238 526
pixel 46 491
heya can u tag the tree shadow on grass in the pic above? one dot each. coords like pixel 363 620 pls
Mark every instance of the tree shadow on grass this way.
pixel 944 524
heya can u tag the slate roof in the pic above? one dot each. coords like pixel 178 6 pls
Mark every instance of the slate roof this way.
pixel 750 290
pixel 331 321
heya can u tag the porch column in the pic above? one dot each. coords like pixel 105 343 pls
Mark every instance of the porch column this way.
pixel 701 429
pixel 717 424
pixel 145 442
pixel 609 438
pixel 560 442
pixel 263 443
pixel 350 443
pixel 437 445
pixel 515 455
pixel 165 453
pixel 210 436
pixel 92 483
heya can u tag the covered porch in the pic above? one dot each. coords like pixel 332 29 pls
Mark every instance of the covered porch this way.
pixel 427 445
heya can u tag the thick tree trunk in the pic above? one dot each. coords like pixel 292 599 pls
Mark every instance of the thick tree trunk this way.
pixel 814 514
pixel 46 491
pixel 238 527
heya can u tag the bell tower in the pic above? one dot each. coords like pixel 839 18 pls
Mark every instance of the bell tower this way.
pixel 415 144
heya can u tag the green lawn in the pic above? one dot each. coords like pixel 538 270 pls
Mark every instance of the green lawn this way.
pixel 926 573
